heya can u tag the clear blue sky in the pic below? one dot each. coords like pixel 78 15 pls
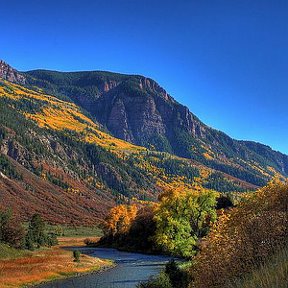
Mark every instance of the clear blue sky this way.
pixel 226 60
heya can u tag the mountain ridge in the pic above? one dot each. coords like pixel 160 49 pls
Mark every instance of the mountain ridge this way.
pixel 55 153
pixel 136 109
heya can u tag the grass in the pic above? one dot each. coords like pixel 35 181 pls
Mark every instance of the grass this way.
pixel 18 270
pixel 272 274
pixel 79 231
pixel 7 252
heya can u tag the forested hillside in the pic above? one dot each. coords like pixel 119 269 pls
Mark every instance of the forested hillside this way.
pixel 136 109
pixel 57 161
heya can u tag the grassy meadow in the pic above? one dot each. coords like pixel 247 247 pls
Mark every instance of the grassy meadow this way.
pixel 19 268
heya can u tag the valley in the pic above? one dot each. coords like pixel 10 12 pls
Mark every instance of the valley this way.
pixel 91 151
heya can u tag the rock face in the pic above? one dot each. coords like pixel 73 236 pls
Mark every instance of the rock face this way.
pixel 10 74
pixel 141 114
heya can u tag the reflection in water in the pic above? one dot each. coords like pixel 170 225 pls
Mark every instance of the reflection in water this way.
pixel 131 269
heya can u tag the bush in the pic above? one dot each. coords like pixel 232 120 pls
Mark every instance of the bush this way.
pixel 243 238
pixel 51 239
pixel 172 276
pixel 178 277
pixel 76 255
pixel 162 281
pixel 272 274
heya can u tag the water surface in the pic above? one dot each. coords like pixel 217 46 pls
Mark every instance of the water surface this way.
pixel 131 268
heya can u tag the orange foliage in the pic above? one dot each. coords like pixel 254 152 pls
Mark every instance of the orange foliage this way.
pixel 119 219
pixel 244 237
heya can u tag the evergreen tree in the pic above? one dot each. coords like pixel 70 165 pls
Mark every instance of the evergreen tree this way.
pixel 37 230
pixel 37 236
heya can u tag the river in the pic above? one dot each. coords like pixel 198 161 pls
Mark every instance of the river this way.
pixel 130 269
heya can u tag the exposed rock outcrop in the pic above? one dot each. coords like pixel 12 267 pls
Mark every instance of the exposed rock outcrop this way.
pixel 10 74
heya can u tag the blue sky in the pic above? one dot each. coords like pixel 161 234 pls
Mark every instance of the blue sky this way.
pixel 226 60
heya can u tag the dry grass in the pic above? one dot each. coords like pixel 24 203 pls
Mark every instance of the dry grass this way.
pixel 74 241
pixel 47 264
pixel 272 274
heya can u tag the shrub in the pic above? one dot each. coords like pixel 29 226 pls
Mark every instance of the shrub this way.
pixel 76 255
pixel 51 239
pixel 178 277
pixel 162 281
pixel 271 274
pixel 243 238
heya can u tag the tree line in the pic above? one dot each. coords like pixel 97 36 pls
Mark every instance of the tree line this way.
pixel 14 234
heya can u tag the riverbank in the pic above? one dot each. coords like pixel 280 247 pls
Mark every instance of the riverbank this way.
pixel 48 264
pixel 129 271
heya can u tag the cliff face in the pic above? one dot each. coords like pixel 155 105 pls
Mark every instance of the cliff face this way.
pixel 10 74
pixel 139 110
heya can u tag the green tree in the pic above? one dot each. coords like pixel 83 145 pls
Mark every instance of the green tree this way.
pixel 37 236
pixel 181 218
pixel 29 241
pixel 37 228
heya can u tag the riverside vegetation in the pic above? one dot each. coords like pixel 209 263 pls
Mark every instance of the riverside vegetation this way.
pixel 241 246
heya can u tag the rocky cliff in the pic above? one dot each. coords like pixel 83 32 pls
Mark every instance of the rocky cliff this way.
pixel 10 74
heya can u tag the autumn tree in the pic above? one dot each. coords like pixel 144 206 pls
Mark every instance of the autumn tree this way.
pixel 119 219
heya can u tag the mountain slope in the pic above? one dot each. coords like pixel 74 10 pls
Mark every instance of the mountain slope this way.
pixel 138 110
pixel 59 162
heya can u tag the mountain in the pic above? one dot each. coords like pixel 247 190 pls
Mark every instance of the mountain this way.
pixel 58 161
pixel 74 144
pixel 136 109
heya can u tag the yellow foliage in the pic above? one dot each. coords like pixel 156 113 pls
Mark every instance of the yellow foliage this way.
pixel 207 156
pixel 57 114
pixel 119 219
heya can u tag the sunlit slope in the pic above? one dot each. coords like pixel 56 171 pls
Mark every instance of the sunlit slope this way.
pixel 56 161
pixel 50 112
